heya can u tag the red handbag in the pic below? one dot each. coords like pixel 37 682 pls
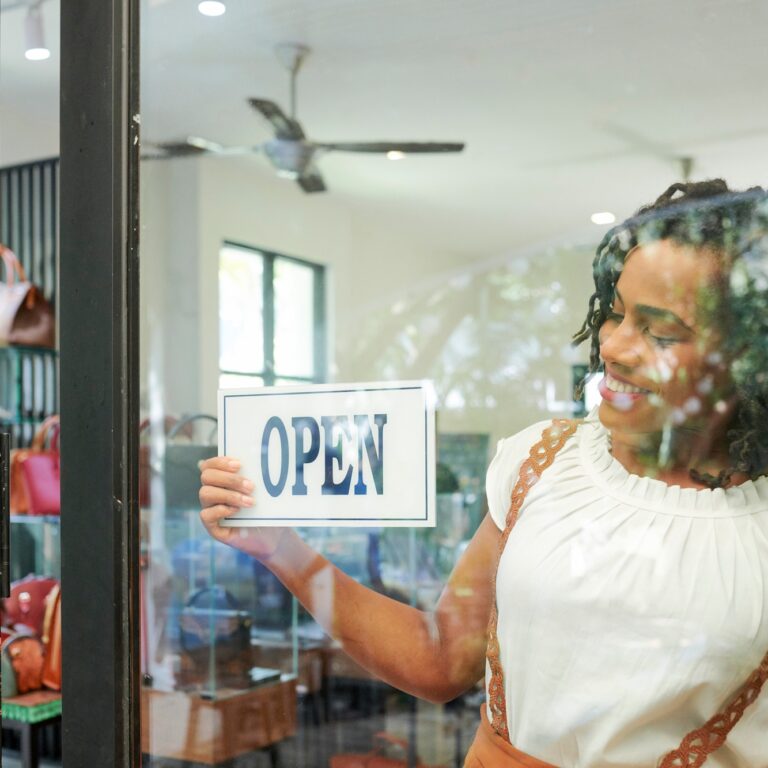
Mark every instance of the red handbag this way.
pixel 38 467
pixel 25 608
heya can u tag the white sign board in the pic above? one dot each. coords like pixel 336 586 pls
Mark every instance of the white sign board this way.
pixel 333 454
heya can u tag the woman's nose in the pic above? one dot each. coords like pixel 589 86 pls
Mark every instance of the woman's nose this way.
pixel 619 345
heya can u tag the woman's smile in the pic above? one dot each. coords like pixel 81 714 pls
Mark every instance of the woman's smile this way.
pixel 619 392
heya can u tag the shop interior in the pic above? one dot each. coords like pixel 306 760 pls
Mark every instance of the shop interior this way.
pixel 468 267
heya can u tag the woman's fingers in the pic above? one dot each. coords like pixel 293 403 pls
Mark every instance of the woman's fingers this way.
pixel 212 495
pixel 220 483
pixel 223 463
pixel 211 517
pixel 223 479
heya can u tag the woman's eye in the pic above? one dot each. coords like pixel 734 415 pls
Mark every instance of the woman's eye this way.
pixel 615 316
pixel 662 341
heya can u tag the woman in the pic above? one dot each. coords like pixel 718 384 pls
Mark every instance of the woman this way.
pixel 629 604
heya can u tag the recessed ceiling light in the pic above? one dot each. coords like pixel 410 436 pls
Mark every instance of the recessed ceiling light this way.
pixel 212 8
pixel 395 154
pixel 603 217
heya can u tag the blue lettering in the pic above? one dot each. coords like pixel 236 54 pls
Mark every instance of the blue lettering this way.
pixel 335 453
pixel 304 455
pixel 375 455
pixel 274 424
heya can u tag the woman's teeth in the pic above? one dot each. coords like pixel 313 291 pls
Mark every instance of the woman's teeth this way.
pixel 619 386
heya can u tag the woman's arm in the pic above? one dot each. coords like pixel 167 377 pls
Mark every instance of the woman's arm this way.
pixel 434 655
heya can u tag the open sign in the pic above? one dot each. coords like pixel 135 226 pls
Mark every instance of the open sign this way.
pixel 352 455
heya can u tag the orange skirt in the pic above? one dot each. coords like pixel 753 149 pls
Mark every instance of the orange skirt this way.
pixel 490 750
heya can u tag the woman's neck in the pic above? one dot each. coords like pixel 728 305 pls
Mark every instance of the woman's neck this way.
pixel 670 455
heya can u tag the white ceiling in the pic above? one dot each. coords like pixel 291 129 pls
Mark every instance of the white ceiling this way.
pixel 567 106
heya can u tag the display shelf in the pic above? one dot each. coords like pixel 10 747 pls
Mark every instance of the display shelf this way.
pixel 28 390
pixel 36 519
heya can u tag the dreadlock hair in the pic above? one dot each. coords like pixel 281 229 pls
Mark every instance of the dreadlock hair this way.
pixel 710 216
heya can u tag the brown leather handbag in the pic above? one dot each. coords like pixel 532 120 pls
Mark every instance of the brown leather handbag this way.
pixel 26 316
pixel 51 675
pixel 26 654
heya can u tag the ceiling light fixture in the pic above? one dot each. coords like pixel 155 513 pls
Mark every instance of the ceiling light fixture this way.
pixel 395 154
pixel 603 217
pixel 34 37
pixel 212 8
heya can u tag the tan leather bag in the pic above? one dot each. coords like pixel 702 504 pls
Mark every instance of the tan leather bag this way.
pixel 26 316
pixel 51 675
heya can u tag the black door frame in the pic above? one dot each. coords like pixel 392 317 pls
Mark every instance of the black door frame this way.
pixel 99 313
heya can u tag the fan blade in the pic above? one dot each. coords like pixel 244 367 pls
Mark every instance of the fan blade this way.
pixel 195 146
pixel 180 148
pixel 285 127
pixel 311 182
pixel 407 147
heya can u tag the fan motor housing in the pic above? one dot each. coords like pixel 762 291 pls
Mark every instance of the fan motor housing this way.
pixel 291 158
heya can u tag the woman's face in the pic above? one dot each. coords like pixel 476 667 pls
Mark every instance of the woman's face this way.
pixel 662 360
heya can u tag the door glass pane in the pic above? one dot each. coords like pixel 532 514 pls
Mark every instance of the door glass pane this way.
pixel 393 194
pixel 29 377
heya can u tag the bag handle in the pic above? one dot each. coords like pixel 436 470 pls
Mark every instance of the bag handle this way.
pixel 50 426
pixel 12 266
pixel 215 591
pixel 187 420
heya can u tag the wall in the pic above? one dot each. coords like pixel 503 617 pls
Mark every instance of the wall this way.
pixel 491 329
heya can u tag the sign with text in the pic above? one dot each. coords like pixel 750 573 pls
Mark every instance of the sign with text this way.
pixel 333 454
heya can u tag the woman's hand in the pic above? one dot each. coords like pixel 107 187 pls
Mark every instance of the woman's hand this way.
pixel 223 492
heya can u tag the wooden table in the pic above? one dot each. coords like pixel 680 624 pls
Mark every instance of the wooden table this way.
pixel 27 714
pixel 184 726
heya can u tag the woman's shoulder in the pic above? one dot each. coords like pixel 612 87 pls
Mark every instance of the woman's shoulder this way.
pixel 504 467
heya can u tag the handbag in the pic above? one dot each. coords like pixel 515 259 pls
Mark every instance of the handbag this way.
pixel 381 756
pixel 25 608
pixel 145 456
pixel 24 654
pixel 212 624
pixel 26 316
pixel 182 474
pixel 51 673
pixel 35 473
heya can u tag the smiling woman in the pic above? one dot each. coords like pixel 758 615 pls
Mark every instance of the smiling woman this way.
pixel 624 612
pixel 678 322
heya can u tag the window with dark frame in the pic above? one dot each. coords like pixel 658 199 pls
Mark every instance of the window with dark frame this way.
pixel 272 318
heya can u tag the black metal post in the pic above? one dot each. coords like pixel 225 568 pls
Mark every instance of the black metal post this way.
pixel 98 302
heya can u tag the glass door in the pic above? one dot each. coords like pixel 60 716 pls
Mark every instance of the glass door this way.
pixel 348 194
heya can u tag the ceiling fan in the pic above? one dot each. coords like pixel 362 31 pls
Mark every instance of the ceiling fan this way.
pixel 290 151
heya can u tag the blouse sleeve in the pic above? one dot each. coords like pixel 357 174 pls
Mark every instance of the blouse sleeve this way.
pixel 504 467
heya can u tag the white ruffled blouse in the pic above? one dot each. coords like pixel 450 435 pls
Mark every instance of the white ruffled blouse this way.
pixel 629 610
